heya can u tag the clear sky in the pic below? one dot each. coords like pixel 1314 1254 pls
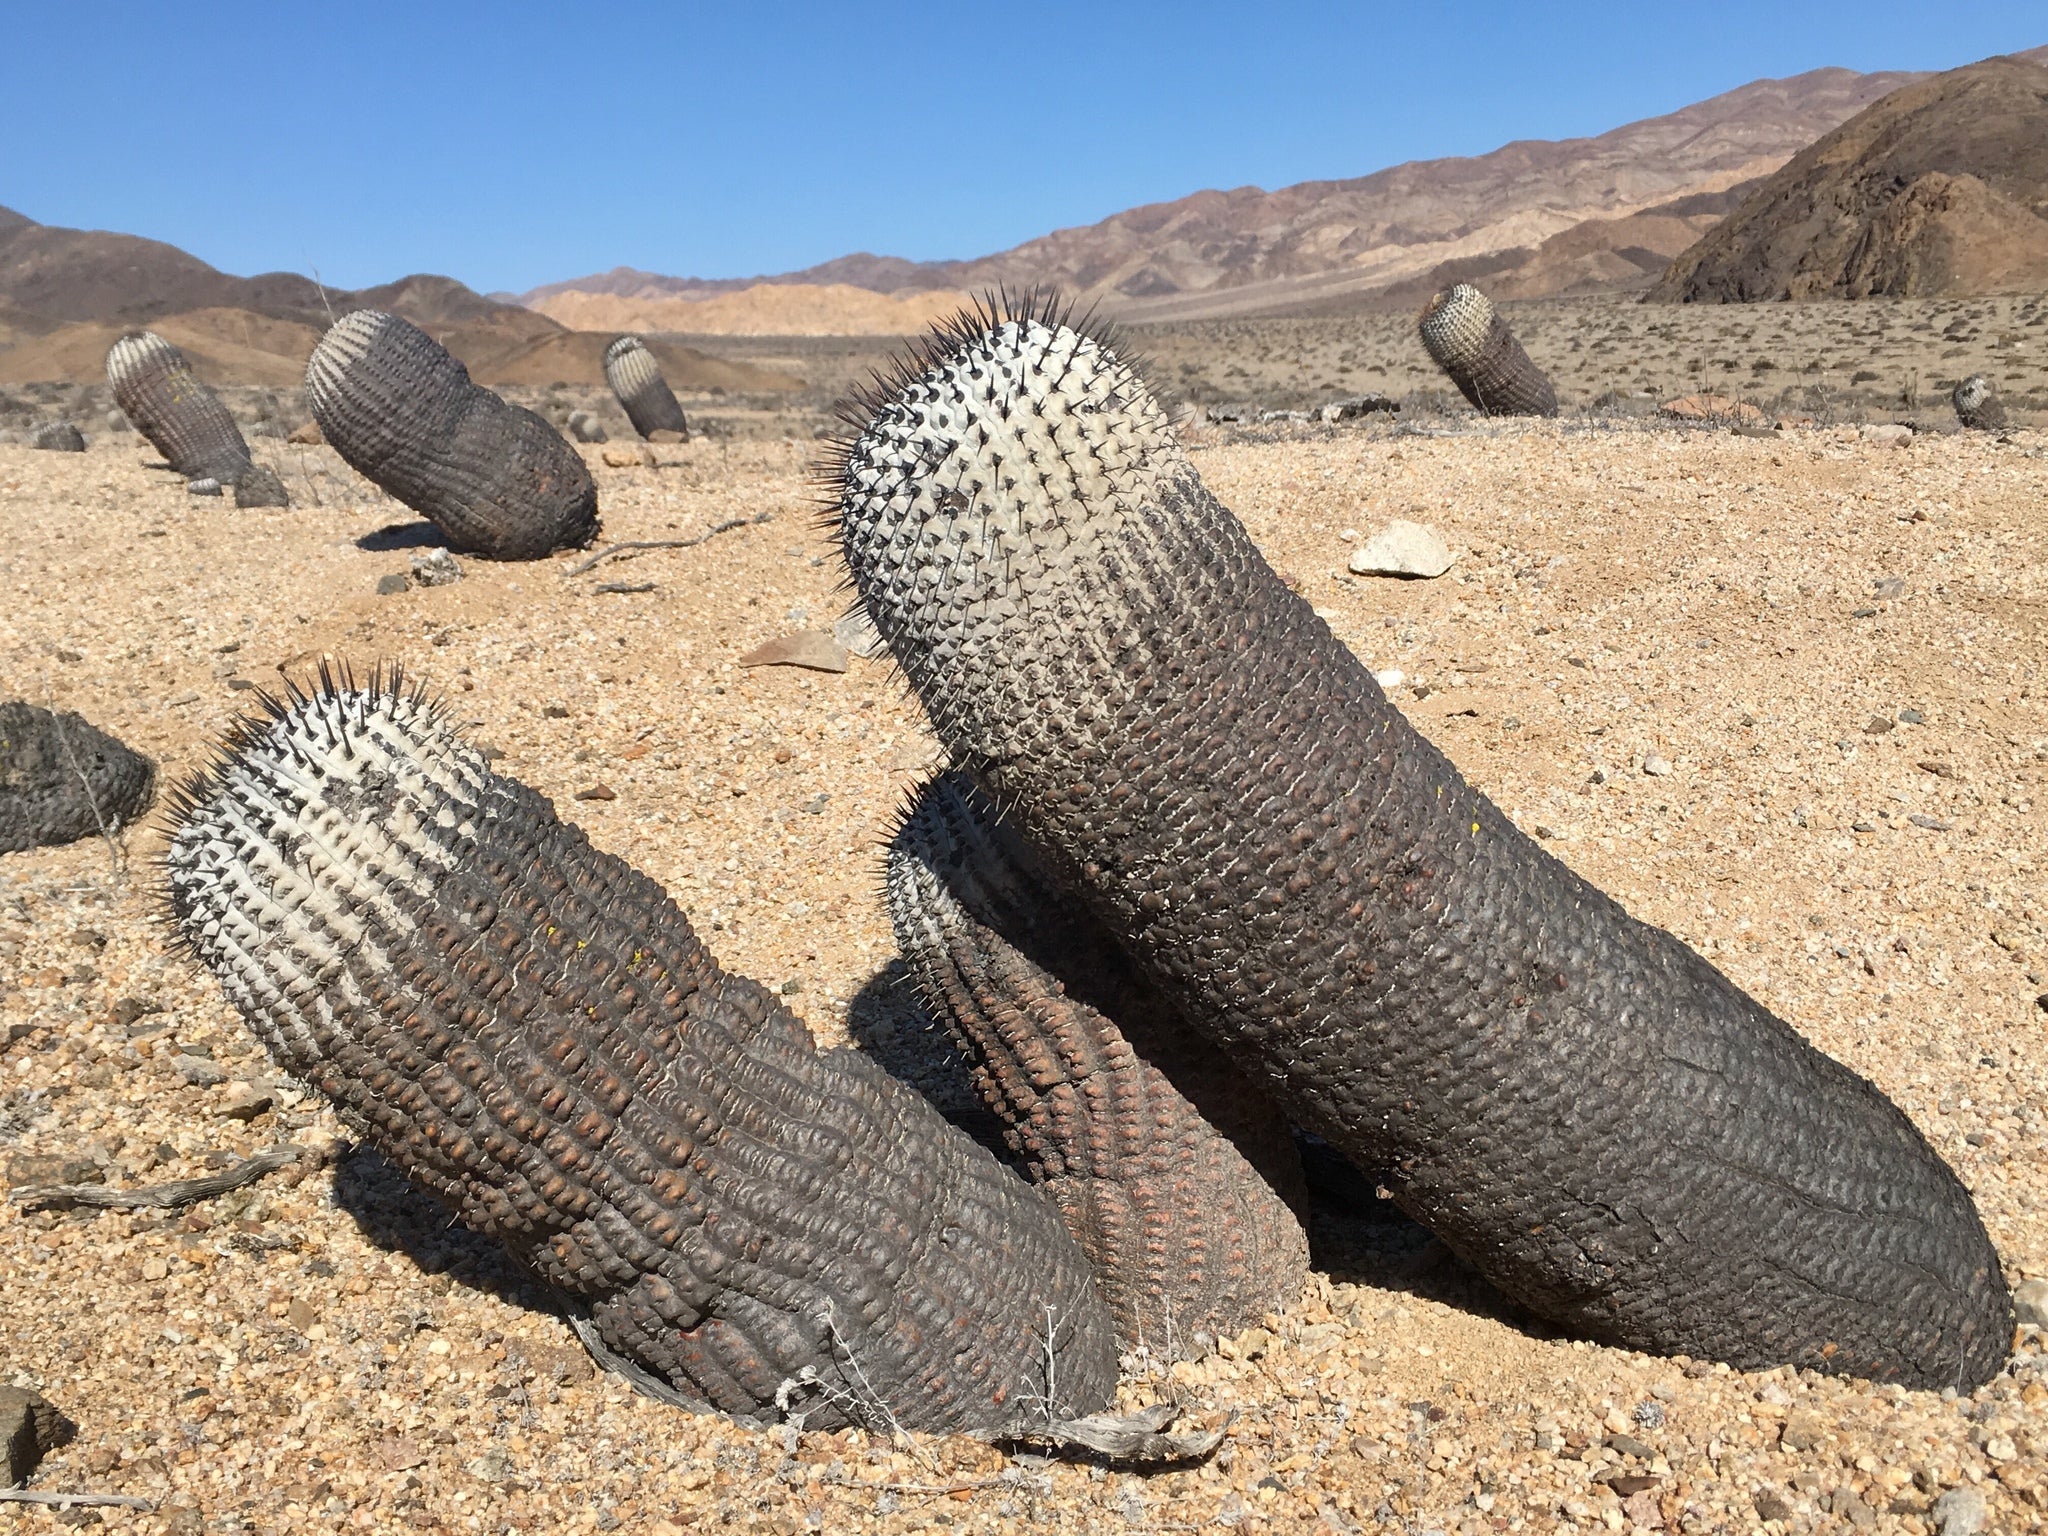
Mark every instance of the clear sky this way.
pixel 515 144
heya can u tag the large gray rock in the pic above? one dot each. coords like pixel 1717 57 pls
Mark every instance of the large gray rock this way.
pixel 1402 548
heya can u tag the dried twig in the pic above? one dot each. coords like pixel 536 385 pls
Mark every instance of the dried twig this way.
pixel 632 549
pixel 71 1500
pixel 179 1192
pixel 1135 1437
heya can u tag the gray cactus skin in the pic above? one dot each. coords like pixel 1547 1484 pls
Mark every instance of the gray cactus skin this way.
pixel 62 779
pixel 1179 1180
pixel 1468 338
pixel 635 377
pixel 531 1031
pixel 156 389
pixel 1576 1102
pixel 1977 405
pixel 60 437
pixel 494 477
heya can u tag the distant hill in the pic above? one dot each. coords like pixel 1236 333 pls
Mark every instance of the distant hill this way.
pixel 765 309
pixel 65 294
pixel 1938 190
pixel 1326 245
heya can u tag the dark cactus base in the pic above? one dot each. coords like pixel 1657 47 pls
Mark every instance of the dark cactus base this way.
pixel 494 477
pixel 530 1030
pixel 62 779
pixel 156 389
pixel 260 487
pixel 1578 1104
pixel 1468 339
pixel 1178 1178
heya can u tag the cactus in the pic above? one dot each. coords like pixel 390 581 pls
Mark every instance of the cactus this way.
pixel 60 437
pixel 1115 1110
pixel 260 487
pixel 1977 407
pixel 529 1028
pixel 157 390
pixel 1469 340
pixel 497 479
pixel 635 377
pixel 1577 1103
pixel 62 779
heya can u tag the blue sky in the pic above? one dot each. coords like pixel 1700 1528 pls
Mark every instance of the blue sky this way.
pixel 515 144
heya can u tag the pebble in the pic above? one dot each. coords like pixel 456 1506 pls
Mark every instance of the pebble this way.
pixel 197 1070
pixel 205 485
pixel 1960 1512
pixel 1390 679
pixel 597 792
pixel 1656 765
pixel 812 648
pixel 1402 548
pixel 392 585
pixel 1888 434
pixel 436 568
pixel 2030 1303
pixel 586 428
pixel 260 487
pixel 1911 717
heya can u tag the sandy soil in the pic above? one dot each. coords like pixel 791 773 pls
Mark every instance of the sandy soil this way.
pixel 1836 645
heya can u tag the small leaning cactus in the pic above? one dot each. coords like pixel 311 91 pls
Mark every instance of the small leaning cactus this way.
pixel 156 389
pixel 1470 341
pixel 635 377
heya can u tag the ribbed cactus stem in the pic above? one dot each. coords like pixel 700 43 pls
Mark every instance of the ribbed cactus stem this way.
pixel 532 1032
pixel 62 779
pixel 1575 1101
pixel 156 389
pixel 1471 342
pixel 494 477
pixel 635 377
pixel 1175 1175
pixel 1977 405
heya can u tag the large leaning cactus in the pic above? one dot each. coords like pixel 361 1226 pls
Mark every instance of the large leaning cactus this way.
pixel 1977 404
pixel 635 377
pixel 494 477
pixel 1179 1179
pixel 156 389
pixel 1575 1101
pixel 62 779
pixel 1471 342
pixel 529 1028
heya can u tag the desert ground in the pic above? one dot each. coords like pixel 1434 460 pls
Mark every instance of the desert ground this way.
pixel 1781 694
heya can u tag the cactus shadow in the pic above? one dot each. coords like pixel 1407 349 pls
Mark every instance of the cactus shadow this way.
pixel 397 1217
pixel 419 535
pixel 891 1026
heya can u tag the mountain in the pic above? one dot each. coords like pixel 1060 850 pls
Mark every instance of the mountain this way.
pixel 66 294
pixel 1938 190
pixel 1328 245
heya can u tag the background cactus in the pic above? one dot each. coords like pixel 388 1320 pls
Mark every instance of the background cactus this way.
pixel 260 487
pixel 157 391
pixel 531 1031
pixel 1471 342
pixel 60 437
pixel 62 779
pixel 494 477
pixel 635 377
pixel 1113 1105
pixel 1977 406
pixel 1576 1102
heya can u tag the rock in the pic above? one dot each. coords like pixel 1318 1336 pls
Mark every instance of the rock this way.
pixel 1977 407
pixel 301 1314
pixel 26 1170
pixel 30 1428
pixel 59 437
pixel 812 648
pixel 436 568
pixel 1960 1512
pixel 1713 408
pixel 667 435
pixel 392 585
pixel 1887 434
pixel 116 422
pixel 1390 679
pixel 1656 765
pixel 597 792
pixel 1889 586
pixel 1772 1505
pixel 197 1070
pixel 308 435
pixel 629 458
pixel 260 487
pixel 1803 1431
pixel 2030 1303
pixel 858 634
pixel 206 485
pixel 1402 548
pixel 246 1101
pixel 586 428
pixel 1354 406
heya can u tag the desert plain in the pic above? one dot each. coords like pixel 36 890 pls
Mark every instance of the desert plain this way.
pixel 1779 691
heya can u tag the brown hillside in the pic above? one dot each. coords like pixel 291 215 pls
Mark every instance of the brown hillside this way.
pixel 226 346
pixel 765 309
pixel 1939 189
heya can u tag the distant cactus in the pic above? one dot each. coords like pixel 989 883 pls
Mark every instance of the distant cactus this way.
pixel 1977 407
pixel 497 479
pixel 530 1030
pixel 586 428
pixel 1173 1172
pixel 62 779
pixel 1470 341
pixel 60 437
pixel 635 377
pixel 260 487
pixel 157 390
